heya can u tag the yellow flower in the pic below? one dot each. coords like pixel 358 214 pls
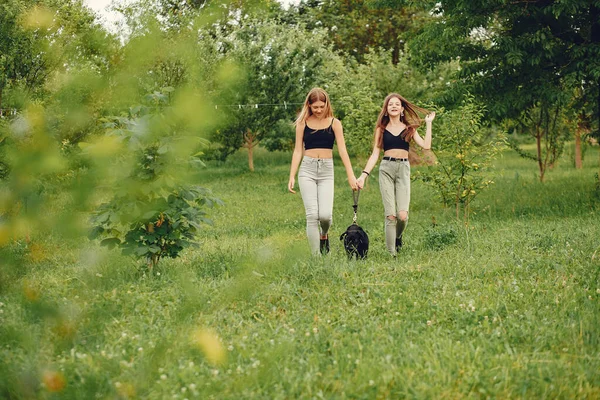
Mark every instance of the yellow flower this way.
pixel 208 342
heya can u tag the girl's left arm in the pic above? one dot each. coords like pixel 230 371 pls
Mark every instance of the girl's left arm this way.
pixel 341 145
pixel 425 143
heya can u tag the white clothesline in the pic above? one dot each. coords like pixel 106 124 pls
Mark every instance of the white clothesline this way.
pixel 285 105
pixel 256 105
pixel 7 111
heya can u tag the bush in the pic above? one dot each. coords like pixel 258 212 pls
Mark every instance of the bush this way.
pixel 437 238
pixel 154 212
pixel 464 151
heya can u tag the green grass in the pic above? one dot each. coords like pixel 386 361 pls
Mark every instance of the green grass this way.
pixel 508 307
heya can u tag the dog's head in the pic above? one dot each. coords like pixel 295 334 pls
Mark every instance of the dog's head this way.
pixel 356 241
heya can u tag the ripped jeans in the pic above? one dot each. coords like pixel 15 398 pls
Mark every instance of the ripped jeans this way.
pixel 394 183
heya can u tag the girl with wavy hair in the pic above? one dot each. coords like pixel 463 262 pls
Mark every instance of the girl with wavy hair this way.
pixel 395 129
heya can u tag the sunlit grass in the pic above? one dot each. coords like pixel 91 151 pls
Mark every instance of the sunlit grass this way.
pixel 507 306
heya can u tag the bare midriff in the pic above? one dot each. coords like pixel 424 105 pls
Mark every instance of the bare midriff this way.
pixel 319 153
pixel 396 153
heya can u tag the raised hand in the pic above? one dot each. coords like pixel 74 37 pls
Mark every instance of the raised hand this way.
pixel 430 117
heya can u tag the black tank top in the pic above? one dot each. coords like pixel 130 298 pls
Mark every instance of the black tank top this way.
pixel 319 138
pixel 394 142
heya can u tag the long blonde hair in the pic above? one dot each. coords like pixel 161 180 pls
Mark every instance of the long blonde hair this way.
pixel 314 95
pixel 410 118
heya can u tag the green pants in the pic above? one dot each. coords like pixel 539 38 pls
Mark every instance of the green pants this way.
pixel 394 183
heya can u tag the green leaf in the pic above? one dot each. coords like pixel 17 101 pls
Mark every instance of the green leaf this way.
pixel 95 232
pixel 141 250
pixel 149 214
pixel 111 242
pixel 154 249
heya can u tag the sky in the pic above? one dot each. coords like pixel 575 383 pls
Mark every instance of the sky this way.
pixel 110 18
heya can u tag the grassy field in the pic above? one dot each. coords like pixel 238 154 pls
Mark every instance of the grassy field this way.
pixel 508 307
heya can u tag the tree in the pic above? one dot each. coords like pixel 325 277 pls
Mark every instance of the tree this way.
pixel 176 16
pixel 277 66
pixel 580 116
pixel 548 125
pixel 464 151
pixel 39 38
pixel 361 27
pixel 41 44
pixel 518 56
pixel 155 212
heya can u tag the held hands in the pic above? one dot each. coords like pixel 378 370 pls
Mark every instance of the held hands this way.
pixel 360 182
pixel 429 117
pixel 352 182
pixel 291 184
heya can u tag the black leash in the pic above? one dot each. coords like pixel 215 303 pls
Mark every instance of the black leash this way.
pixel 355 194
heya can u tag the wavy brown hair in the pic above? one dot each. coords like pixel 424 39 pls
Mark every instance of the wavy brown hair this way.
pixel 314 95
pixel 410 118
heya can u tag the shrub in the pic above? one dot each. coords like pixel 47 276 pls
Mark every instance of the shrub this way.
pixel 154 211
pixel 437 238
pixel 464 153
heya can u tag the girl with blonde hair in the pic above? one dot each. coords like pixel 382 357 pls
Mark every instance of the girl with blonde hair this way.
pixel 316 132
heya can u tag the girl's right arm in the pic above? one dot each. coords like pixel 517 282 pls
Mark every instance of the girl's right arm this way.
pixel 371 161
pixel 296 156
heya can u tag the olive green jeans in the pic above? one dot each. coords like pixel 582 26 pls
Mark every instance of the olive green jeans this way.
pixel 394 183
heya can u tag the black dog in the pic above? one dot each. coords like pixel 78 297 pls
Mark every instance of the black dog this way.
pixel 356 241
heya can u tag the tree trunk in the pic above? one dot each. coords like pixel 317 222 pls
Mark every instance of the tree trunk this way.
pixel 396 54
pixel 153 262
pixel 538 141
pixel 578 163
pixel 250 141
pixel 251 158
pixel 457 198
pixel 584 127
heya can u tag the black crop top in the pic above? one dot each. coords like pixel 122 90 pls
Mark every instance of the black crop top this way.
pixel 319 138
pixel 394 142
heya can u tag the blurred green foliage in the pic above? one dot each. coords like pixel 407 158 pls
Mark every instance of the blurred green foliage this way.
pixel 40 40
pixel 155 211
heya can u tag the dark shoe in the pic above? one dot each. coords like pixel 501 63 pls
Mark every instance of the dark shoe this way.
pixel 324 246
pixel 399 243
